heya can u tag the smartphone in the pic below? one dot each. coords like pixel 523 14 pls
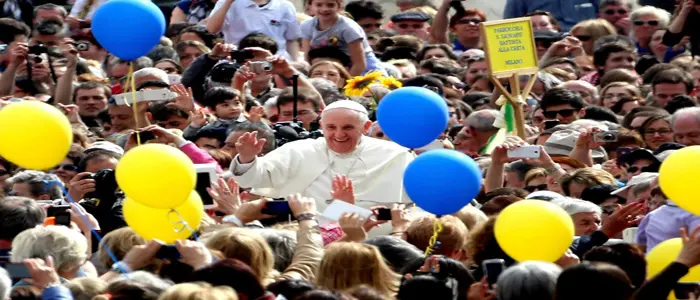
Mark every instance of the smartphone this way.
pixel 206 173
pixel 168 252
pixel 382 214
pixel 492 268
pixel 682 290
pixel 17 270
pixel 276 208
pixel 525 152
pixel 548 124
pixel 146 136
pixel 54 209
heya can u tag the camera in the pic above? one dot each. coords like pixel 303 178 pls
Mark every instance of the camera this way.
pixel 105 185
pixel 239 56
pixel 260 67
pixel 38 49
pixel 606 137
pixel 82 46
pixel 286 132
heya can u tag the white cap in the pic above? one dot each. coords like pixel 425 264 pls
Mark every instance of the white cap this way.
pixel 104 145
pixel 347 104
pixel 637 179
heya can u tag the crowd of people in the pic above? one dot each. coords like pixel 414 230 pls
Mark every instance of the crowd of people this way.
pixel 277 101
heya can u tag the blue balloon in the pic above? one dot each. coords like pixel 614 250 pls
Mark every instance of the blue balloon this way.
pixel 412 116
pixel 442 181
pixel 128 29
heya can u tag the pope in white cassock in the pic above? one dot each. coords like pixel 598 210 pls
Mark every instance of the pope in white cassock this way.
pixel 308 166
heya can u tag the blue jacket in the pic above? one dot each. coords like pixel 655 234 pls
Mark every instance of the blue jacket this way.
pixel 567 12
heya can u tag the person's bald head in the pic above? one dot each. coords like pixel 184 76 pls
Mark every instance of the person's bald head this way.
pixel 588 92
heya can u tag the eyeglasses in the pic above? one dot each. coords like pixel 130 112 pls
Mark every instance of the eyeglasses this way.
pixel 650 22
pixel 414 26
pixel 661 131
pixel 67 167
pixel 469 21
pixel 612 11
pixel 583 38
pixel 539 187
pixel 563 112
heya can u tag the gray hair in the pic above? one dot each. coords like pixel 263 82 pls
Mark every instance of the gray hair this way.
pixel 390 69
pixel 482 120
pixel 150 71
pixel 641 187
pixel 145 278
pixel 67 246
pixel 574 206
pixel 695 111
pixel 40 183
pixel 528 280
pixel 664 16
pixel 283 244
pixel 5 284
pixel 328 90
pixel 18 214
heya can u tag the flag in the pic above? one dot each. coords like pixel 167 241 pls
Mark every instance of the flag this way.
pixel 505 121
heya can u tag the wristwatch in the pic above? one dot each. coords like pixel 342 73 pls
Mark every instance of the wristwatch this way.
pixel 306 217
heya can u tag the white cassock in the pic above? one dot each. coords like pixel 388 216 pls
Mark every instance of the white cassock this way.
pixel 308 166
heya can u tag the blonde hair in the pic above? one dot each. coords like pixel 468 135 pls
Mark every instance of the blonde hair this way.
pixel 431 12
pixel 535 173
pixel 67 246
pixel 596 28
pixel 346 265
pixel 453 236
pixel 470 216
pixel 85 288
pixel 631 88
pixel 245 245
pixel 119 241
pixel 198 291
pixel 586 176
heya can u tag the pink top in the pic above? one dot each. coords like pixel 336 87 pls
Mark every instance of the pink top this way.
pixel 199 156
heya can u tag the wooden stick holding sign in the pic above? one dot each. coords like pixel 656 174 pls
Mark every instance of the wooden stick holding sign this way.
pixel 510 51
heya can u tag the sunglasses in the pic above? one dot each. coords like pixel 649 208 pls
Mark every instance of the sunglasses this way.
pixel 612 11
pixel 564 113
pixel 67 167
pixel 414 26
pixel 633 169
pixel 370 25
pixel 583 38
pixel 650 22
pixel 539 187
pixel 469 21
pixel 609 209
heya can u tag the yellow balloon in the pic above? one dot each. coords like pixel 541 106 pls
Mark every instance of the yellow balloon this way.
pixel 534 230
pixel 156 175
pixel 34 135
pixel 677 178
pixel 662 255
pixel 164 224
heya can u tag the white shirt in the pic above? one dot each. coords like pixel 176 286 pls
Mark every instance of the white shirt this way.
pixel 79 6
pixel 277 19
pixel 307 166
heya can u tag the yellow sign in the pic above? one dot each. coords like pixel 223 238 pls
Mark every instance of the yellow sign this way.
pixel 510 47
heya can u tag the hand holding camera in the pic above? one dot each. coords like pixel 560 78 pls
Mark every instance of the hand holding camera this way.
pixel 69 51
pixel 18 54
pixel 81 185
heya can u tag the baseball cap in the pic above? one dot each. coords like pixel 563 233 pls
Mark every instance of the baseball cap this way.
pixel 104 145
pixel 549 35
pixel 638 154
pixel 562 142
pixel 544 195
pixel 637 179
pixel 410 16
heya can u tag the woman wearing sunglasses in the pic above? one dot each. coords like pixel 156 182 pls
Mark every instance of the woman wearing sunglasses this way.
pixel 645 21
pixel 69 165
pixel 589 31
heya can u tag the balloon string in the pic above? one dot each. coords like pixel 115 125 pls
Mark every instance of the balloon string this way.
pixel 185 224
pixel 132 83
pixel 93 230
pixel 437 228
